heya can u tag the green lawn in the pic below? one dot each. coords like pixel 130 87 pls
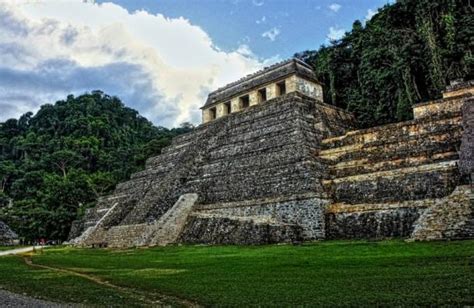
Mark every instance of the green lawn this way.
pixel 325 274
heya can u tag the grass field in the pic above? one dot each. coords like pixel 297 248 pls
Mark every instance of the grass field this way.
pixel 324 274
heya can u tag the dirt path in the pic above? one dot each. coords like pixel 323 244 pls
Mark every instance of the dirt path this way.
pixel 19 250
pixel 142 297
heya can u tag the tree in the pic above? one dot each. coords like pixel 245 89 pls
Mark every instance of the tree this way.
pixel 56 163
pixel 407 53
pixel 7 170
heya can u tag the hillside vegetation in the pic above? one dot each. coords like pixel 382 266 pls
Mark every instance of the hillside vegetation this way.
pixel 55 164
pixel 405 54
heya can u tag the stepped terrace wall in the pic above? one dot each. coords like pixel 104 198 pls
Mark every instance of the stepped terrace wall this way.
pixel 292 169
pixel 266 152
pixel 403 179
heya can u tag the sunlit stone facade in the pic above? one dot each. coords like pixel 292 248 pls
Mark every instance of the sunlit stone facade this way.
pixel 272 82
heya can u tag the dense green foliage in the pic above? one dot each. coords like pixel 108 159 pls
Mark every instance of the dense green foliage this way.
pixel 407 53
pixel 390 273
pixel 56 163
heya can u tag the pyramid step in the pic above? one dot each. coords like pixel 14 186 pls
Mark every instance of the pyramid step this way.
pixel 385 149
pixel 368 165
pixel 396 131
pixel 411 183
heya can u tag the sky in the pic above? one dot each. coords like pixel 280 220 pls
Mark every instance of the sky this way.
pixel 160 57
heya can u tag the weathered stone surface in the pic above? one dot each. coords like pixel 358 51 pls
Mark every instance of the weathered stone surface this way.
pixel 466 159
pixel 458 88
pixel 306 211
pixel 168 228
pixel 7 236
pixel 267 151
pixel 383 179
pixel 269 74
pixel 451 217
pixel 213 229
pixel 378 224
pixel 292 168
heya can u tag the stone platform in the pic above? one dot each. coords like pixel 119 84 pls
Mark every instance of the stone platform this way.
pixel 293 168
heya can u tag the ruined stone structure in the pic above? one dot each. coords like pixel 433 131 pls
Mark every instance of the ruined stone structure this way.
pixel 273 163
pixel 7 236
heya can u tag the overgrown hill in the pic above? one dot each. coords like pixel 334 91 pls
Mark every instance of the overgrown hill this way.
pixel 56 163
pixel 405 54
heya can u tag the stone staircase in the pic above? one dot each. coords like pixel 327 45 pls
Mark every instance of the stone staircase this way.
pixel 168 228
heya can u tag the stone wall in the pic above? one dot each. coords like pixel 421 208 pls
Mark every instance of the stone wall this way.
pixel 278 71
pixel 466 160
pixel 451 217
pixel 265 152
pixel 402 179
pixel 372 224
pixel 292 169
pixel 306 211
pixel 213 229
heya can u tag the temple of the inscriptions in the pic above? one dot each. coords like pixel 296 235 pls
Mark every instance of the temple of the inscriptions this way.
pixel 291 76
pixel 272 162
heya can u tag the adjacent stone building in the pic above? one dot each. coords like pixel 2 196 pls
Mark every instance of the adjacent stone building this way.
pixel 7 236
pixel 273 163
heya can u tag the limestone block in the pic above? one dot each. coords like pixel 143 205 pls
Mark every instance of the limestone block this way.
pixel 306 211
pixel 235 104
pixel 451 217
pixel 253 98
pixel 306 87
pixel 466 160
pixel 437 107
pixel 459 88
pixel 291 84
pixel 271 91
pixel 221 110
pixel 215 229
pixel 206 116
pixel 377 224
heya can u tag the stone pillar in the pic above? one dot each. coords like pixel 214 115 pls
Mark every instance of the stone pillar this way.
pixel 235 104
pixel 253 98
pixel 206 116
pixel 221 110
pixel 292 84
pixel 271 91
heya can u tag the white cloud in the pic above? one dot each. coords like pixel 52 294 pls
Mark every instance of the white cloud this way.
pixel 261 20
pixel 335 33
pixel 335 7
pixel 370 14
pixel 164 67
pixel 271 34
pixel 258 3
